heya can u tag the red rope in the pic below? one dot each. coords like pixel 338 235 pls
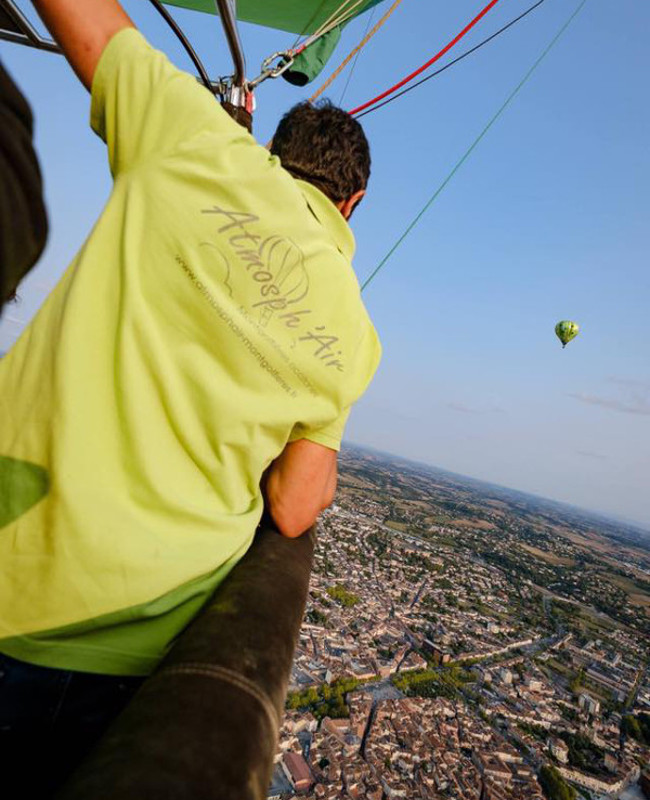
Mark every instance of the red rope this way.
pixel 431 61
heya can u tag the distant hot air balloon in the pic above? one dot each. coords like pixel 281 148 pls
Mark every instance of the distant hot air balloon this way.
pixel 566 330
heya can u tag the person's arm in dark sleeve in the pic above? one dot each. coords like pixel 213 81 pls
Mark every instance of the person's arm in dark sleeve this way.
pixel 23 220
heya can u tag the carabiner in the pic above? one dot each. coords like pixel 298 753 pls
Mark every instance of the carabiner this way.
pixel 285 60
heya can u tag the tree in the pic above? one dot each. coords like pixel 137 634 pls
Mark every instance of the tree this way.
pixel 554 785
pixel 317 617
pixel 637 727
pixel 342 596
pixel 583 753
pixel 576 683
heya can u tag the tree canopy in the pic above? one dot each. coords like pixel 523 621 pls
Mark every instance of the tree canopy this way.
pixel 554 785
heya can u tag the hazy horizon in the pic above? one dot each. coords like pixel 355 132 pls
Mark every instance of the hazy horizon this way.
pixel 640 527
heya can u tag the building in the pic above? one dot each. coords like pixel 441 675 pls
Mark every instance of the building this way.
pixel 558 749
pixel 505 675
pixel 439 655
pixel 534 684
pixel 590 704
pixel 297 771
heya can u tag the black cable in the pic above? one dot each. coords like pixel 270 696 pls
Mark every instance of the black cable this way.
pixel 184 41
pixel 451 63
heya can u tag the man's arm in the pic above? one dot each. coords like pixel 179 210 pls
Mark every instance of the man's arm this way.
pixel 299 484
pixel 83 28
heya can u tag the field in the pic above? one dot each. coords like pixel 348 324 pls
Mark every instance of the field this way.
pixel 550 558
pixel 636 594
pixel 474 524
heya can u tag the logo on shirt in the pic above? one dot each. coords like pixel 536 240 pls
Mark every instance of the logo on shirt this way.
pixel 276 266
pixel 275 263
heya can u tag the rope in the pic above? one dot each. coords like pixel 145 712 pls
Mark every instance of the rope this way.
pixel 472 147
pixel 339 16
pixel 451 63
pixel 337 13
pixel 354 52
pixel 431 61
pixel 371 18
pixel 308 24
pixel 335 19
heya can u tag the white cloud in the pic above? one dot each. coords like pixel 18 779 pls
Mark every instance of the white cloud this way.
pixel 589 454
pixel 465 409
pixel 13 320
pixel 634 399
pixel 631 382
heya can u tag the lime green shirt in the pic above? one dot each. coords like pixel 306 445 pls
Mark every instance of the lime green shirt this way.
pixel 211 317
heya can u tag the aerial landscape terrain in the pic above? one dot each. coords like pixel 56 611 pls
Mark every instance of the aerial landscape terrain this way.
pixel 462 640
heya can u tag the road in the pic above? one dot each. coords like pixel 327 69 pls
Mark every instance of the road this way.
pixel 419 592
pixel 382 690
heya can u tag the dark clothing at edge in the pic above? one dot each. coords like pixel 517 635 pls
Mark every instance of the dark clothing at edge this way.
pixel 23 220
pixel 49 720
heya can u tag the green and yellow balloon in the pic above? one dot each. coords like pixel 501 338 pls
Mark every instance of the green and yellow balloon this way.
pixel 566 330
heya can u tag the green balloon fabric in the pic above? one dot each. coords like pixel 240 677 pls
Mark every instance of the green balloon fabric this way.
pixel 300 18
pixel 295 16
pixel 566 330
pixel 22 485
pixel 310 63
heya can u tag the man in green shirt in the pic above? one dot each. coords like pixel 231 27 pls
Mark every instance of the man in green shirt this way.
pixel 195 364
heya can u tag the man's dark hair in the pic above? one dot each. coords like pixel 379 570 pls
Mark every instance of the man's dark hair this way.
pixel 324 145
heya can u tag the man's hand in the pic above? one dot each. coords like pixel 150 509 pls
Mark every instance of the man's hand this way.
pixel 298 485
pixel 83 28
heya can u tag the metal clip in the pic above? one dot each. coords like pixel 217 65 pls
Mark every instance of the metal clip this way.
pixel 285 60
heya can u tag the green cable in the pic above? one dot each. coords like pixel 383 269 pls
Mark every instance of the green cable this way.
pixel 468 152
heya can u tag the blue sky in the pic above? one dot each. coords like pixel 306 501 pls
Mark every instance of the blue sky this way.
pixel 548 219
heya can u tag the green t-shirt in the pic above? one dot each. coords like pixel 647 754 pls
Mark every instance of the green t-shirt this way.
pixel 211 316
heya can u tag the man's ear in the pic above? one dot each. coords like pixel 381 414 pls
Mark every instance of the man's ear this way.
pixel 346 207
